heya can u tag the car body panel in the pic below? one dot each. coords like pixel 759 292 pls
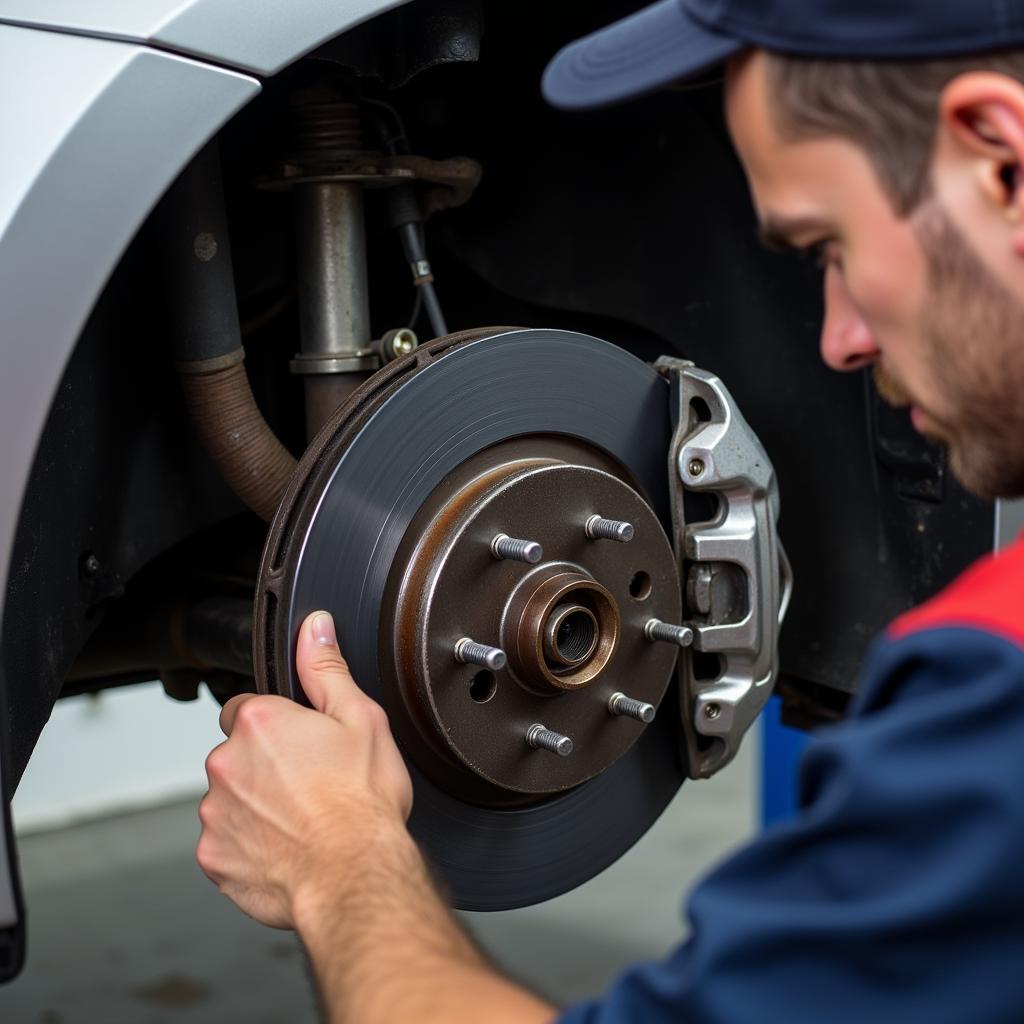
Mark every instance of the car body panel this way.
pixel 261 38
pixel 87 152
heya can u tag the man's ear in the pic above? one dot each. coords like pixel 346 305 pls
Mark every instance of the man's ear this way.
pixel 981 118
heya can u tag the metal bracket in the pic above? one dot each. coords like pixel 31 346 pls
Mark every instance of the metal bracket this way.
pixel 737 577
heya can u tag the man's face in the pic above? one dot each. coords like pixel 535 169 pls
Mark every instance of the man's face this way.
pixel 908 296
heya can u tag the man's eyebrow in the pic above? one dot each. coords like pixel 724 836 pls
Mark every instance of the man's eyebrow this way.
pixel 779 232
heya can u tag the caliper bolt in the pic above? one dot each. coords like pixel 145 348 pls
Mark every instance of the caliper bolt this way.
pixel 712 711
pixel 695 467
pixel 655 629
pixel 541 738
pixel 469 652
pixel 620 704
pixel 504 546
pixel 609 529
pixel 397 343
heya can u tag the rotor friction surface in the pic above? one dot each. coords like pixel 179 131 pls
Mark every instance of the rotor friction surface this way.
pixel 335 537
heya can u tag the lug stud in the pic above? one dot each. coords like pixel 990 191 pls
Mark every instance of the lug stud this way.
pixel 630 707
pixel 541 738
pixel 609 529
pixel 679 635
pixel 504 546
pixel 469 652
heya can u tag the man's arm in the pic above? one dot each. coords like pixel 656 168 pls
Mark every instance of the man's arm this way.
pixel 304 827
pixel 393 952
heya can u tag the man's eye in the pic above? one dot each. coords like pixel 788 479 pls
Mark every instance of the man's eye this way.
pixel 824 253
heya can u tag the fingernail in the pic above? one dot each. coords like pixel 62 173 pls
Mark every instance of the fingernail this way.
pixel 323 629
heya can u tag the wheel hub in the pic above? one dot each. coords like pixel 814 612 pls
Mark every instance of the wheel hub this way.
pixel 571 629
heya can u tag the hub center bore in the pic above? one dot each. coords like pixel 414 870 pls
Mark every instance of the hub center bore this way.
pixel 561 628
pixel 570 637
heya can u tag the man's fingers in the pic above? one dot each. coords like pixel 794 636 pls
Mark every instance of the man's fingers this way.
pixel 322 670
pixel 323 673
pixel 229 712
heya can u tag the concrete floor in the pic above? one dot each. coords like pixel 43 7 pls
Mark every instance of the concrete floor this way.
pixel 124 929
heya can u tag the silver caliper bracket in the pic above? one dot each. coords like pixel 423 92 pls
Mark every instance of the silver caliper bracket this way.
pixel 737 579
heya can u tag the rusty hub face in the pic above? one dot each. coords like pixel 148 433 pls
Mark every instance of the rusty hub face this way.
pixel 571 626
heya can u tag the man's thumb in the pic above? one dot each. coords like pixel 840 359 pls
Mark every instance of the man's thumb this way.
pixel 323 672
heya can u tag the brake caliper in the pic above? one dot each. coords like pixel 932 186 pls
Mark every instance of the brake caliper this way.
pixel 737 579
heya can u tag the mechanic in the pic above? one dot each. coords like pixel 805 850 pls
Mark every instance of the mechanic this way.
pixel 888 136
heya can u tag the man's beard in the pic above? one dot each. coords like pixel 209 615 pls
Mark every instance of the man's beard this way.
pixel 974 332
pixel 890 388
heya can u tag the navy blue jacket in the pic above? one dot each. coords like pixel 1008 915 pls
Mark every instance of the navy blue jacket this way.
pixel 897 893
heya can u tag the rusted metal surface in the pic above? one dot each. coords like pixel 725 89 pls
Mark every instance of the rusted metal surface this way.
pixel 454 180
pixel 241 445
pixel 328 147
pixel 450 182
pixel 452 586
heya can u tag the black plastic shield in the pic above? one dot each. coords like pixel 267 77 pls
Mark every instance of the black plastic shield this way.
pixel 12 910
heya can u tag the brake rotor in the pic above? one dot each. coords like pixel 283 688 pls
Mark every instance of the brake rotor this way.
pixel 389 524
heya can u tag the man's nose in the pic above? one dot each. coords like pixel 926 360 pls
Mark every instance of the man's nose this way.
pixel 846 340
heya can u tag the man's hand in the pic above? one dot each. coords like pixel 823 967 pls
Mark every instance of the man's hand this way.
pixel 298 796
pixel 304 827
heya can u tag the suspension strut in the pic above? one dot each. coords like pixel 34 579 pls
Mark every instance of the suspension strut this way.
pixel 328 169
pixel 335 353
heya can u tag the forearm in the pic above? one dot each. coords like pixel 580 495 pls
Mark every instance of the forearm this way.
pixel 390 950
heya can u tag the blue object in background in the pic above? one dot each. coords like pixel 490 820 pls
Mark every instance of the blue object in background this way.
pixel 781 749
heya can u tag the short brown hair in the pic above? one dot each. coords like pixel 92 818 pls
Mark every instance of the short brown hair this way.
pixel 888 108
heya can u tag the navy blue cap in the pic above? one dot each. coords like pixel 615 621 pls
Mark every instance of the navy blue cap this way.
pixel 679 39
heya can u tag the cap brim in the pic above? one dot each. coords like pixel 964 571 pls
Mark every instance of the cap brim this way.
pixel 650 49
